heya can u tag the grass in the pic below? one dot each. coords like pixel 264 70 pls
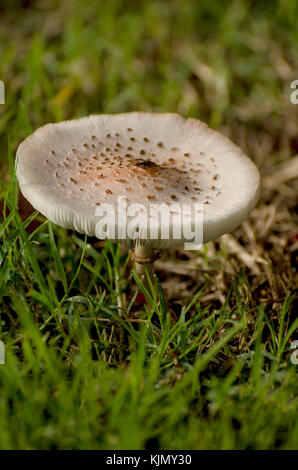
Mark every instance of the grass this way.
pixel 205 363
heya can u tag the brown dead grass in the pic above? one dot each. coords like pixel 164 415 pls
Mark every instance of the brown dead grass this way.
pixel 264 247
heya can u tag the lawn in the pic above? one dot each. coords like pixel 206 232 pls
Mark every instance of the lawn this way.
pixel 206 362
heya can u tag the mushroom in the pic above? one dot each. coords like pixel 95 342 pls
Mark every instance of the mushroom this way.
pixel 108 176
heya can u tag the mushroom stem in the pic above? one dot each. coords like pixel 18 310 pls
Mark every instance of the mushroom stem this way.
pixel 144 258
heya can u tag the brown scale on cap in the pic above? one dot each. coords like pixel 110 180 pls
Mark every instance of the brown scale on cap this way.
pixel 158 175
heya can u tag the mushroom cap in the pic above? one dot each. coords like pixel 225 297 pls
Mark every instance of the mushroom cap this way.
pixel 70 169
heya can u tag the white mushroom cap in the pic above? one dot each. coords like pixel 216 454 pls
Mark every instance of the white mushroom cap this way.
pixel 69 169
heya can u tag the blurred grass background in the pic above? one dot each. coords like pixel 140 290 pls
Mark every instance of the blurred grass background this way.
pixel 208 367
